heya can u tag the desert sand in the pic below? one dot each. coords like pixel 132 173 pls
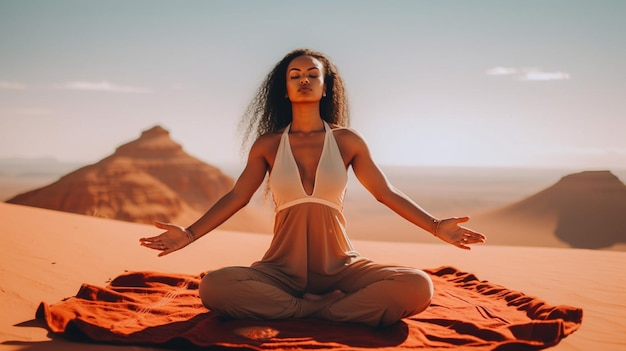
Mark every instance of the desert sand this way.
pixel 47 255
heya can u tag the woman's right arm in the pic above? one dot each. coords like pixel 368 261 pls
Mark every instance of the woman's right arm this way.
pixel 238 197
pixel 177 237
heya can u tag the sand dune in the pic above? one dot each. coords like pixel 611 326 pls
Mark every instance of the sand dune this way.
pixel 48 254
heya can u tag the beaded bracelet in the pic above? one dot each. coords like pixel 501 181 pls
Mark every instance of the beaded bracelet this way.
pixel 438 222
pixel 190 235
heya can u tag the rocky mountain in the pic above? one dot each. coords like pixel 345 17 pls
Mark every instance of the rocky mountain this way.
pixel 150 178
pixel 584 210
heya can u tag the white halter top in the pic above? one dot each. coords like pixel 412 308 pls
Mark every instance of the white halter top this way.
pixel 331 177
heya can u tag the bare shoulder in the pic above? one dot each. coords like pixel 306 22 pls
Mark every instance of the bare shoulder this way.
pixel 351 144
pixel 266 144
pixel 345 135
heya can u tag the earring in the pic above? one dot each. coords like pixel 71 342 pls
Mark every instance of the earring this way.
pixel 324 94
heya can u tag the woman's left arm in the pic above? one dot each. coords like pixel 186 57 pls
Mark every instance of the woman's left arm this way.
pixel 373 179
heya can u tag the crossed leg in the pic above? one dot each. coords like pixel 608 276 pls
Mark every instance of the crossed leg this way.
pixel 364 292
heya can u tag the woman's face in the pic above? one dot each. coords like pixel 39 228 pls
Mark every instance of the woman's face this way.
pixel 305 79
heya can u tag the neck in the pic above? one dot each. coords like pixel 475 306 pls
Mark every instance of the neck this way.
pixel 306 118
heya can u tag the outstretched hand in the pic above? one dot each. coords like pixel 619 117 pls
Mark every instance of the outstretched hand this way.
pixel 175 238
pixel 451 232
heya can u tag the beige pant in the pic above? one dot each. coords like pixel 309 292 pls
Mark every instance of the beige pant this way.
pixel 376 295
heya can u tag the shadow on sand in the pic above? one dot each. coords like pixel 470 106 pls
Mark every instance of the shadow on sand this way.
pixel 587 224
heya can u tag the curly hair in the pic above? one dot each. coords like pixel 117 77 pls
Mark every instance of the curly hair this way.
pixel 269 110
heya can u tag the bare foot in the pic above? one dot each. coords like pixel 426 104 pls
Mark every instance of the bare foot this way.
pixel 312 303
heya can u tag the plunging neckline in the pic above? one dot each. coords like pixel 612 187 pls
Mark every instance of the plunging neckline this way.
pixel 319 161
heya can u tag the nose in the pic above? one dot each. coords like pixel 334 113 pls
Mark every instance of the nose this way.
pixel 304 80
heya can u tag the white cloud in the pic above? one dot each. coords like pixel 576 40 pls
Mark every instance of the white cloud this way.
pixel 527 74
pixel 12 85
pixel 538 75
pixel 104 86
pixel 501 71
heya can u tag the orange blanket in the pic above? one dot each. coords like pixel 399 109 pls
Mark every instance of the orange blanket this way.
pixel 147 308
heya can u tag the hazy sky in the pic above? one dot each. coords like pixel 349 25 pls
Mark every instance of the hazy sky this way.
pixel 462 83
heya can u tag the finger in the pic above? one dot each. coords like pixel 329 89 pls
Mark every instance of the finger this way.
pixel 463 246
pixel 469 238
pixel 469 231
pixel 470 235
pixel 152 240
pixel 478 237
pixel 162 225
pixel 474 235
pixel 166 252
pixel 153 246
pixel 462 219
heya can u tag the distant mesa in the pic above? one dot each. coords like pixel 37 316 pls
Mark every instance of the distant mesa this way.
pixel 154 142
pixel 589 208
pixel 148 179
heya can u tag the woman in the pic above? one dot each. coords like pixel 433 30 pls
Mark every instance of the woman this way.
pixel 310 269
